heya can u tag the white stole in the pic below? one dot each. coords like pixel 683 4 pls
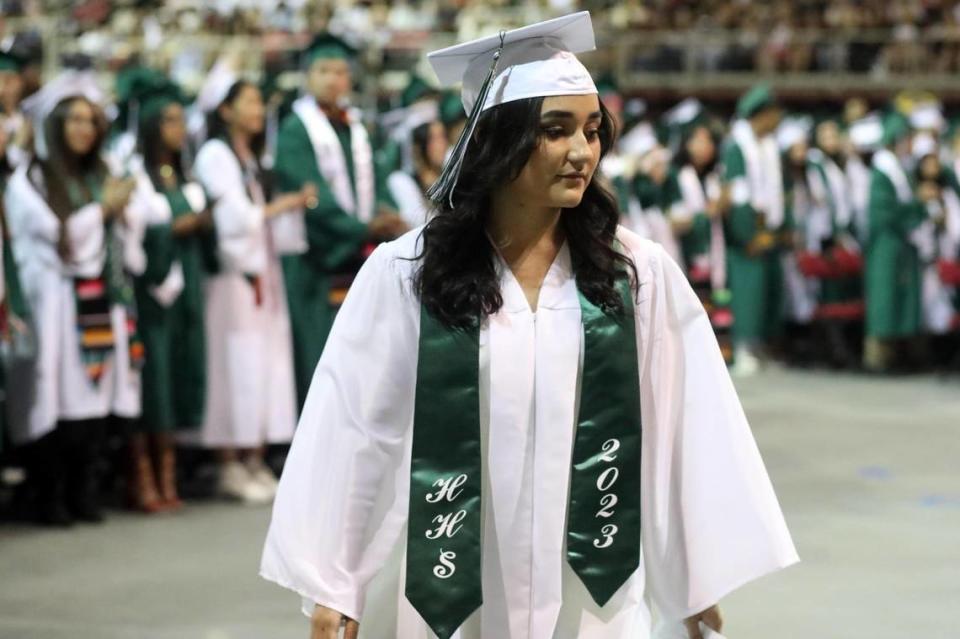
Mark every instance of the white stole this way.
pixel 332 162
pixel 887 163
pixel 764 174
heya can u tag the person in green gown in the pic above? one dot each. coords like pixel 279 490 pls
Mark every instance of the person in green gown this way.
pixel 169 293
pixel 324 142
pixel 10 83
pixel 892 279
pixel 831 245
pixel 694 205
pixel 756 226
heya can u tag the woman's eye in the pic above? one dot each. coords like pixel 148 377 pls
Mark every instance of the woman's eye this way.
pixel 553 132
pixel 593 134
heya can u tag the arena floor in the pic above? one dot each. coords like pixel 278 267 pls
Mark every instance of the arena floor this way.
pixel 866 469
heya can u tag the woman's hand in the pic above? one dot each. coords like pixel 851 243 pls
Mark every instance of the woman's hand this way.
pixel 309 195
pixel 385 227
pixel 116 195
pixel 326 624
pixel 709 617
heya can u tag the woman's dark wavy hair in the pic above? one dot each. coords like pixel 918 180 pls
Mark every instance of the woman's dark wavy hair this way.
pixel 62 166
pixel 457 280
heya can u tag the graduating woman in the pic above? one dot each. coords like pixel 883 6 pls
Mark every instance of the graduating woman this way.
pixel 251 398
pixel 75 246
pixel 469 460
pixel 169 292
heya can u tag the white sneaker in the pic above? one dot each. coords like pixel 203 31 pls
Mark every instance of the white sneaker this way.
pixel 236 482
pixel 745 363
pixel 263 476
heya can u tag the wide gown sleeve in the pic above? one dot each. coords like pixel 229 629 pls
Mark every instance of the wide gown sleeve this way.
pixel 711 520
pixel 239 221
pixel 342 499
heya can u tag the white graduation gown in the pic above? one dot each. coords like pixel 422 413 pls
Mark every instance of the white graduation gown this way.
pixel 62 390
pixel 711 521
pixel 250 388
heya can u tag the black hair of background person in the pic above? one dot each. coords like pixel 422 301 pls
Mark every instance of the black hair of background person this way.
pixel 153 150
pixel 217 128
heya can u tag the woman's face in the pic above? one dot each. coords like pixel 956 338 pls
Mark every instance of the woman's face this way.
pixel 930 168
pixel 701 148
pixel 797 153
pixel 829 138
pixel 246 112
pixel 11 89
pixel 80 127
pixel 437 145
pixel 566 156
pixel 173 128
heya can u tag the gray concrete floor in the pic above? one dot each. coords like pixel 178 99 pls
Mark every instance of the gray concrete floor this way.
pixel 867 470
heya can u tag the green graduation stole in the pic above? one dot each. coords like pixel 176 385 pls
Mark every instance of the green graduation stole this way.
pixel 444 528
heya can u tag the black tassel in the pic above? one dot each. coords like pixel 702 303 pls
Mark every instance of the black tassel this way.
pixel 446 184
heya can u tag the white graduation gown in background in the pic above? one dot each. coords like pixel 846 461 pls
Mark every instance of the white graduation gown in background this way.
pixel 250 388
pixel 62 390
pixel 710 519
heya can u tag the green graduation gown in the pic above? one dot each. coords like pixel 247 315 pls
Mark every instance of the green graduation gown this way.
pixel 892 277
pixel 755 281
pixel 174 372
pixel 334 241
pixel 696 241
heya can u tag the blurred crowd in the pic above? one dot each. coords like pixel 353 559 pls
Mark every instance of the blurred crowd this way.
pixel 176 245
pixel 857 36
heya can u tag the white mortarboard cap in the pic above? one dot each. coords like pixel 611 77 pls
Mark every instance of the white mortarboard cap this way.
pixel 69 84
pixel 536 60
pixel 639 141
pixel 927 117
pixel 866 134
pixel 533 61
pixel 685 112
pixel 216 86
pixel 414 116
pixel 793 130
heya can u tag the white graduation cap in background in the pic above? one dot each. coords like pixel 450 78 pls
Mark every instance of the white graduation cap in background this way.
pixel 866 134
pixel 928 116
pixel 533 61
pixel 222 75
pixel 414 116
pixel 68 84
pixel 793 130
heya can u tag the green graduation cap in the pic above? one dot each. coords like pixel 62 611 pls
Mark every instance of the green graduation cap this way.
pixel 451 108
pixel 896 127
pixel 144 93
pixel 416 90
pixel 10 62
pixel 755 100
pixel 607 85
pixel 326 46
